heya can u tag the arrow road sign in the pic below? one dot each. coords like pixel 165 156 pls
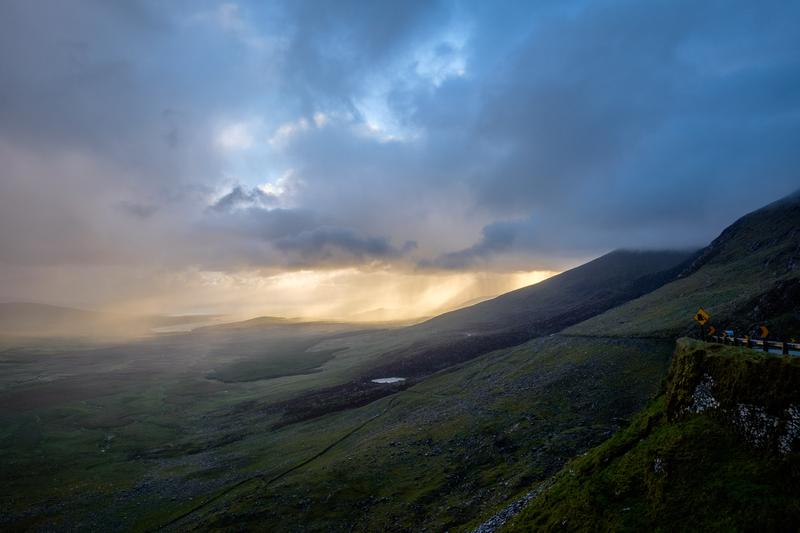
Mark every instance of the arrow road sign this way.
pixel 763 331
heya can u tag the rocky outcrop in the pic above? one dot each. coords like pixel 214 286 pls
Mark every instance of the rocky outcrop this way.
pixel 757 395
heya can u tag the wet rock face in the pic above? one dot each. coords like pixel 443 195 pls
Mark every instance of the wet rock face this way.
pixel 758 396
pixel 702 396
pixel 753 422
pixel 788 440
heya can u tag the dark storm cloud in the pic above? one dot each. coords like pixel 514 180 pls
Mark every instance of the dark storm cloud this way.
pixel 257 236
pixel 497 238
pixel 608 124
pixel 321 244
pixel 479 131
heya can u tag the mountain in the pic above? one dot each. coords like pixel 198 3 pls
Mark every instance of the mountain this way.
pixel 416 352
pixel 541 309
pixel 748 275
pixel 718 450
pixel 268 432
pixel 568 297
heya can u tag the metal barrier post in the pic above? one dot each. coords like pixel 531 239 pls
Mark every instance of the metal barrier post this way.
pixel 785 347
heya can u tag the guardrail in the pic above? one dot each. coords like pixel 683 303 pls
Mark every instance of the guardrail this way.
pixel 778 347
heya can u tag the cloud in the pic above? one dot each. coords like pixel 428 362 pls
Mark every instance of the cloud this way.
pixel 497 238
pixel 287 130
pixel 237 136
pixel 239 234
pixel 321 245
pixel 138 210
pixel 239 198
pixel 509 136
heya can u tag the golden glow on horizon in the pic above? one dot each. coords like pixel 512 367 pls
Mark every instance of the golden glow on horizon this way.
pixel 346 294
pixel 355 295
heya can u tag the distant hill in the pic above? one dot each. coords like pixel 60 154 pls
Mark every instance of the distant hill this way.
pixel 750 274
pixel 19 318
pixel 389 316
pixel 42 320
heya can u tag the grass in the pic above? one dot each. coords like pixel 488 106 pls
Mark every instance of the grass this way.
pixel 756 257
pixel 138 424
pixel 286 359
pixel 707 480
pixel 442 453
pixel 668 472
pixel 720 289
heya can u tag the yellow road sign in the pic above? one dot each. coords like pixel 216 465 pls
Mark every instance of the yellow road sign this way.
pixel 711 330
pixel 701 317
pixel 763 331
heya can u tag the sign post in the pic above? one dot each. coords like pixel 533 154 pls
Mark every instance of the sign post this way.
pixel 763 331
pixel 701 317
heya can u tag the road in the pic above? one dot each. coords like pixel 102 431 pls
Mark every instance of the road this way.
pixel 775 347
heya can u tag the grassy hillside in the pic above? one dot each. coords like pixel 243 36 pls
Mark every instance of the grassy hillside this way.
pixel 270 422
pixel 748 275
pixel 171 421
pixel 718 451
pixel 441 454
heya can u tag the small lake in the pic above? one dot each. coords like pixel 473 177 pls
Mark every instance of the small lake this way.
pixel 388 380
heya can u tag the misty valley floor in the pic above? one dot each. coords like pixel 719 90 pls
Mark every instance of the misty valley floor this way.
pixel 94 442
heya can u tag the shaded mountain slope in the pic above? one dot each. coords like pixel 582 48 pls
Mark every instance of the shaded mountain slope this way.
pixel 749 274
pixel 508 320
pixel 537 310
pixel 581 291
pixel 718 451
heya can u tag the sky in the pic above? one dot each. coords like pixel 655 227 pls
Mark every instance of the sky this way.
pixel 359 159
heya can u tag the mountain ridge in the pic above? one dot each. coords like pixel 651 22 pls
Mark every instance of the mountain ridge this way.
pixel 738 278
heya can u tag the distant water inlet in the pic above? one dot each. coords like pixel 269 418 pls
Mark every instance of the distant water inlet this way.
pixel 388 380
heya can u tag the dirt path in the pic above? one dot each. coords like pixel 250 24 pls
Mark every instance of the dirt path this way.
pixel 496 522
